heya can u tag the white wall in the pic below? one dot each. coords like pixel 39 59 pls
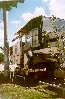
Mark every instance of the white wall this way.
pixel 16 52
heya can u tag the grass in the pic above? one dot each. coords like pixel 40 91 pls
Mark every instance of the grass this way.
pixel 21 89
pixel 14 91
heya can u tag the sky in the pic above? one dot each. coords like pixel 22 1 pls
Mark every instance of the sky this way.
pixel 18 17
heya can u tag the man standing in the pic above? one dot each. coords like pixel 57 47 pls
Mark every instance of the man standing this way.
pixel 30 56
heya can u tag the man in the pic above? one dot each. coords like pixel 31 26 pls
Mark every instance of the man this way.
pixel 30 56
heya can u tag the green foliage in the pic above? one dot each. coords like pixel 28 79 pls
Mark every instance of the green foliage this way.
pixel 9 4
pixel 33 23
pixel 58 44
pixel 49 45
pixel 59 73
pixel 13 91
pixel 46 40
pixel 1 57
pixel 53 23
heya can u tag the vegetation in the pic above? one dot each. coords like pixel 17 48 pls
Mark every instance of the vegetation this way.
pixel 1 57
pixel 60 38
pixel 9 4
pixel 13 91
pixel 33 23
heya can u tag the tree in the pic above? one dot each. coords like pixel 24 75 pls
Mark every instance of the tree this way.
pixel 6 6
pixel 53 23
pixel 45 37
pixel 1 57
pixel 59 30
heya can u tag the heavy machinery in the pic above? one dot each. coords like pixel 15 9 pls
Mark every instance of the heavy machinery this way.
pixel 43 61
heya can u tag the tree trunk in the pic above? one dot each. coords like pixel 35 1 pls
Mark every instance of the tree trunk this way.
pixel 6 46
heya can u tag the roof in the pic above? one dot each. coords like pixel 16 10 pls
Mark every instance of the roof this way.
pixel 15 38
pixel 33 23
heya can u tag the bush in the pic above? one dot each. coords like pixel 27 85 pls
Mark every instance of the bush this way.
pixel 59 73
pixel 1 57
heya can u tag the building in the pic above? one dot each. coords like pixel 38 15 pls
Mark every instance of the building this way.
pixel 38 33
